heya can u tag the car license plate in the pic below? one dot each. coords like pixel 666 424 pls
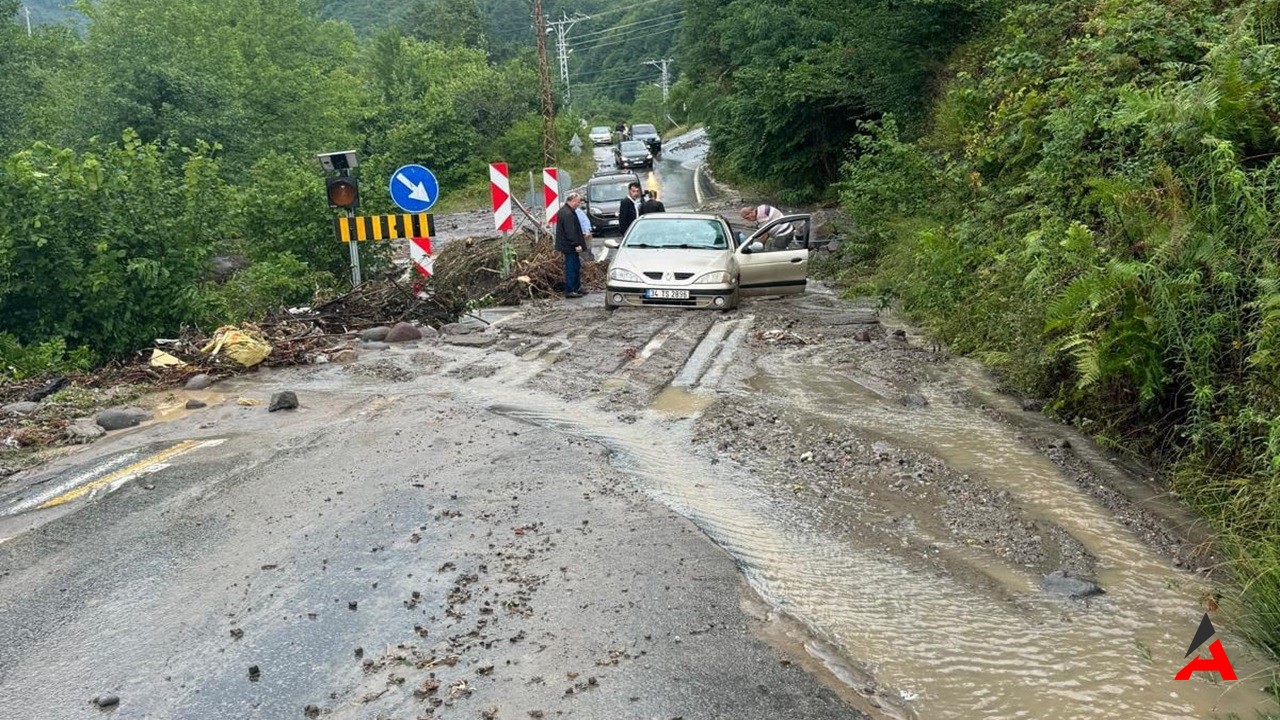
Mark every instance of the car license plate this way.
pixel 667 294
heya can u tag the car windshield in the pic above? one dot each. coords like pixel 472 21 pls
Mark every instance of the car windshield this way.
pixel 643 130
pixel 607 192
pixel 600 130
pixel 693 233
pixel 634 146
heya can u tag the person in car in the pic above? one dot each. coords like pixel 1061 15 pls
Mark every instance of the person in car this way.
pixel 629 207
pixel 569 242
pixel 651 204
pixel 780 236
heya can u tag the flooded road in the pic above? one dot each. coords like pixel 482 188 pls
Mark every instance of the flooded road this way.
pixel 790 508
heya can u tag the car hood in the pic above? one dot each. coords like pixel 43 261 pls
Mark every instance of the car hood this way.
pixel 642 260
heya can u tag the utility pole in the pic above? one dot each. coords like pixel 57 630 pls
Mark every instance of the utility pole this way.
pixel 562 27
pixel 663 65
pixel 549 140
pixel 27 11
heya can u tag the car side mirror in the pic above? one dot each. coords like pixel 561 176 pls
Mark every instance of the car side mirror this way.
pixel 756 246
pixel 611 243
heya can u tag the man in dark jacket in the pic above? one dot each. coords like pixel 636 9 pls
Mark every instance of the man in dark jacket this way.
pixel 629 207
pixel 569 242
pixel 651 203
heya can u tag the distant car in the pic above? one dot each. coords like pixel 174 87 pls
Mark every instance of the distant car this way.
pixel 601 135
pixel 632 154
pixel 694 260
pixel 648 135
pixel 605 192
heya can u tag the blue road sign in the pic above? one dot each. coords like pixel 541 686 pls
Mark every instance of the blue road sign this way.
pixel 414 188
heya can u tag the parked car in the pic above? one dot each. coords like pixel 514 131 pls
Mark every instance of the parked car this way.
pixel 600 135
pixel 632 154
pixel 605 191
pixel 694 260
pixel 648 135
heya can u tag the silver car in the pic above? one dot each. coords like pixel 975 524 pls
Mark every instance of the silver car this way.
pixel 601 135
pixel 694 260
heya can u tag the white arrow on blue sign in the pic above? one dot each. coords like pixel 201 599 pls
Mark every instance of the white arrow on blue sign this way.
pixel 414 188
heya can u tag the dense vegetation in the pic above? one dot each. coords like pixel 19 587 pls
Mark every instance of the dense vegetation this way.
pixel 1092 208
pixel 783 85
pixel 174 131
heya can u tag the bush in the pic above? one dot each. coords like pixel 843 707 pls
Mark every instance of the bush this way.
pixel 18 362
pixel 106 249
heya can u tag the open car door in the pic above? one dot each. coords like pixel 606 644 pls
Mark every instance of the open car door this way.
pixel 775 259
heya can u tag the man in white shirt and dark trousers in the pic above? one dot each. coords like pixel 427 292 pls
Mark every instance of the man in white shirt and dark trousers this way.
pixel 781 235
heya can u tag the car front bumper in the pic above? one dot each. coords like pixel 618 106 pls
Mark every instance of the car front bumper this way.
pixel 635 163
pixel 717 297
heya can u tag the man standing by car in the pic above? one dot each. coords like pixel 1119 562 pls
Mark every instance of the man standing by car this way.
pixel 629 207
pixel 569 242
pixel 781 235
pixel 651 203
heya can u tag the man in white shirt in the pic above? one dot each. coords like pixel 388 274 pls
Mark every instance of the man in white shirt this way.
pixel 780 236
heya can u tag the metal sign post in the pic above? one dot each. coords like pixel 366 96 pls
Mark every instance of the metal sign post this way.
pixel 355 255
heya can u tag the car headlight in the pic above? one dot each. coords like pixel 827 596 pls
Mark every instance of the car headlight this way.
pixel 718 277
pixel 624 275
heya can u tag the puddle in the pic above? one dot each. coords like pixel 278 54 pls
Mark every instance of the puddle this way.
pixel 169 406
pixel 936 646
pixel 676 402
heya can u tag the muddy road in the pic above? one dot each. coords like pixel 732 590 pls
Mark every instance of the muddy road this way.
pixel 796 509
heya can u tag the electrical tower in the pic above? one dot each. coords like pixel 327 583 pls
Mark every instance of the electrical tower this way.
pixel 561 28
pixel 550 142
pixel 26 11
pixel 664 66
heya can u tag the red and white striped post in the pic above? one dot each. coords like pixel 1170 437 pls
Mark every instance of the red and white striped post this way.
pixel 500 190
pixel 420 254
pixel 551 192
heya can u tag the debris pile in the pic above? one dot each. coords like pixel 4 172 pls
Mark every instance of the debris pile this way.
pixel 474 269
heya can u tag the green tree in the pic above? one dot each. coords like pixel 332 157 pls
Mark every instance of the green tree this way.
pixel 448 22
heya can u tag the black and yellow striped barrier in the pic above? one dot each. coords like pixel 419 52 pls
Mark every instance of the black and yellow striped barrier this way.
pixel 384 227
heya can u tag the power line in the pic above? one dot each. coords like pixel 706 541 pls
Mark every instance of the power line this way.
pixel 628 8
pixel 606 31
pixel 651 31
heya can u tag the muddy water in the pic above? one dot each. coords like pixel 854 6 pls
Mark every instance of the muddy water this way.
pixel 966 653
pixel 936 647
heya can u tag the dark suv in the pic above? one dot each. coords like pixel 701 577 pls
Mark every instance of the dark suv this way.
pixel 605 191
pixel 648 135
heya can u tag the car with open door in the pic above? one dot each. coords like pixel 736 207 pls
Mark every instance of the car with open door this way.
pixel 694 260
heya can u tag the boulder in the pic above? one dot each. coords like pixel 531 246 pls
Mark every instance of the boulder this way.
pixel 375 334
pixel 458 329
pixel 121 418
pixel 403 332
pixel 345 356
pixel 194 404
pixel 224 267
pixel 1060 582
pixel 1032 405
pixel 286 400
pixel 428 332
pixel 19 408
pixel 198 382
pixel 84 430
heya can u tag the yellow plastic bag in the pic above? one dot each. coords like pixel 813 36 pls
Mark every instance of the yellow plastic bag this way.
pixel 239 346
